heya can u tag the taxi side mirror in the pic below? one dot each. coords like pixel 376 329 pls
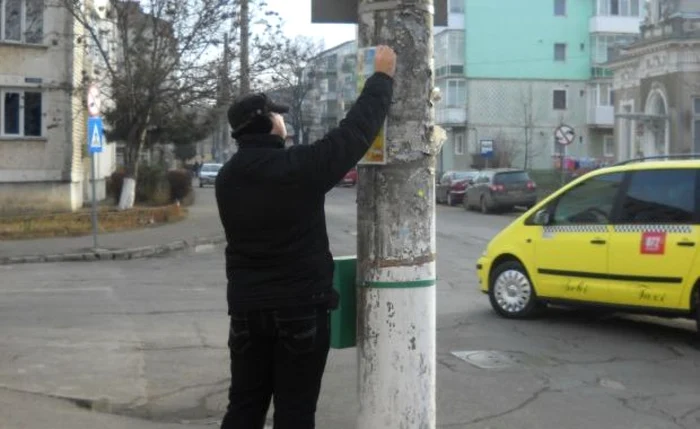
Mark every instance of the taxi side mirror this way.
pixel 542 217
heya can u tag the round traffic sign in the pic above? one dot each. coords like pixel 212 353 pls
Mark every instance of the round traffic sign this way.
pixel 93 100
pixel 564 134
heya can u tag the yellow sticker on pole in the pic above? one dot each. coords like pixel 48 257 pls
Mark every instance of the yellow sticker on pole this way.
pixel 376 155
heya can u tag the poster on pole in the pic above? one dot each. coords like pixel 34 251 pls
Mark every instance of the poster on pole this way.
pixel 376 155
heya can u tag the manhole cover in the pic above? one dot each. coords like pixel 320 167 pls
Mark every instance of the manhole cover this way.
pixel 486 359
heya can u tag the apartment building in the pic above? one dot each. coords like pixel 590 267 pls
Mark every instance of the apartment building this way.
pixel 333 78
pixel 43 117
pixel 450 79
pixel 614 24
pixel 657 83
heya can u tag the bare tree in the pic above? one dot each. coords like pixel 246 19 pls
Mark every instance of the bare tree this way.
pixel 506 150
pixel 529 124
pixel 160 64
pixel 245 47
pixel 291 78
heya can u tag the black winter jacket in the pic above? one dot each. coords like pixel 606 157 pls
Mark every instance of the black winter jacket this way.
pixel 271 204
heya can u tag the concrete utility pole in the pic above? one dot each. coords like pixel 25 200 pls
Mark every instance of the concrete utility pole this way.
pixel 396 231
pixel 245 42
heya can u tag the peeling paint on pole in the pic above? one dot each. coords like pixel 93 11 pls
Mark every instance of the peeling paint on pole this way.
pixel 396 231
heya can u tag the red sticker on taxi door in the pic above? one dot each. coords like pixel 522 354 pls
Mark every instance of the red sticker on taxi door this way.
pixel 653 243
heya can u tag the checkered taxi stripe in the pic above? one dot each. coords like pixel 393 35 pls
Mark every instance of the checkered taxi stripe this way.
pixel 669 229
pixel 575 228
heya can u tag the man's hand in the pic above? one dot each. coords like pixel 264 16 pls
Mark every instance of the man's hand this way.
pixel 385 60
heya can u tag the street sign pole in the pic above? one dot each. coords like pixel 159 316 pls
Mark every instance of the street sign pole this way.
pixel 396 246
pixel 486 150
pixel 94 201
pixel 95 133
pixel 564 135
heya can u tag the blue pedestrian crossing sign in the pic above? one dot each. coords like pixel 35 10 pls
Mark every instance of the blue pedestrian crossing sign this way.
pixel 95 135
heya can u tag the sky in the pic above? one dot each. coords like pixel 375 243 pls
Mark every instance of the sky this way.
pixel 297 17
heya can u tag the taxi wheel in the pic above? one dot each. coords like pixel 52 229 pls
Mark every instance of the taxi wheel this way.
pixel 511 292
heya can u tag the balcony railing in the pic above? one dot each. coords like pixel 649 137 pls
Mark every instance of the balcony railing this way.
pixel 451 115
pixel 601 116
pixel 614 24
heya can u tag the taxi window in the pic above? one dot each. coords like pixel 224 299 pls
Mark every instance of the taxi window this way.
pixel 591 202
pixel 660 196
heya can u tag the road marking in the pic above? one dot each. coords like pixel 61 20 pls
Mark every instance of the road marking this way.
pixel 56 290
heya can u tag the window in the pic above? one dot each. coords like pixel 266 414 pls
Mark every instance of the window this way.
pixel 332 85
pixel 22 21
pixel 456 6
pixel 619 7
pixel 608 146
pixel 559 99
pixel 20 113
pixel 449 53
pixel 332 62
pixel 560 7
pixel 660 196
pixel 511 177
pixel 560 52
pixel 456 93
pixel 591 202
pixel 603 46
pixel 601 94
pixel 459 144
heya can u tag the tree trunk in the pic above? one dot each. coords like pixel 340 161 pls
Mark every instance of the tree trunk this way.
pixel 245 56
pixel 133 154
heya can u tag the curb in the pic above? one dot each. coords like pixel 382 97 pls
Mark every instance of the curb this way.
pixel 117 254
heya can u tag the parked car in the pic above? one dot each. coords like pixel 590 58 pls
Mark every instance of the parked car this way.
pixel 350 178
pixel 208 173
pixel 624 237
pixel 452 186
pixel 499 189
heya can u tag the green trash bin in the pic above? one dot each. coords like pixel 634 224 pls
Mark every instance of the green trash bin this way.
pixel 344 318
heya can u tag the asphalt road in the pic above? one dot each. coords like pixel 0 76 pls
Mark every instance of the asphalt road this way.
pixel 143 345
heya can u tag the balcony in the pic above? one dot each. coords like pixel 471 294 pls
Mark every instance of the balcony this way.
pixel 451 116
pixel 614 24
pixel 601 116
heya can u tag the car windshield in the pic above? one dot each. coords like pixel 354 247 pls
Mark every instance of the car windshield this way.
pixel 512 177
pixel 464 175
pixel 211 168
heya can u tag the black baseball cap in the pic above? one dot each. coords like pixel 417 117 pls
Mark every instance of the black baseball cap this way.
pixel 245 109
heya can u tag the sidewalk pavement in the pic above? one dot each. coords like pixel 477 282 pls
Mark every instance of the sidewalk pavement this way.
pixel 201 227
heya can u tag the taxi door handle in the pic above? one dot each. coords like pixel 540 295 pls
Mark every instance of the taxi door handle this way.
pixel 686 243
pixel 598 241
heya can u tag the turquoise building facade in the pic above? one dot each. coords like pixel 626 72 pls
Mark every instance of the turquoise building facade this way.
pixel 515 39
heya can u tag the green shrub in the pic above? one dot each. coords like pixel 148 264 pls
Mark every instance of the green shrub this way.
pixel 180 184
pixel 114 184
pixel 151 181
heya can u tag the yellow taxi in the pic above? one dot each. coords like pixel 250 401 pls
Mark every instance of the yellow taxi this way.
pixel 624 236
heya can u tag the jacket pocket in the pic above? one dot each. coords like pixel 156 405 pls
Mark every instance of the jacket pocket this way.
pixel 298 334
pixel 239 336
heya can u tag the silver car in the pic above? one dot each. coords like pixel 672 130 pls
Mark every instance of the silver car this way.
pixel 208 173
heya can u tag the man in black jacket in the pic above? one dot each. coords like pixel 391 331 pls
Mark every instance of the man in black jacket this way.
pixel 278 262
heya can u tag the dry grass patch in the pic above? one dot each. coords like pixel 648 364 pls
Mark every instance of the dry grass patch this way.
pixel 80 223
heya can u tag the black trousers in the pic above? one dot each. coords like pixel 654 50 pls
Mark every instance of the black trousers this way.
pixel 278 354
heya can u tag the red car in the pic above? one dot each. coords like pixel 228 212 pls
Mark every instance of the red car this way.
pixel 452 186
pixel 350 178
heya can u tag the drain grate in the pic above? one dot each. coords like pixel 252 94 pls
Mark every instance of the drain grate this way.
pixel 487 359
